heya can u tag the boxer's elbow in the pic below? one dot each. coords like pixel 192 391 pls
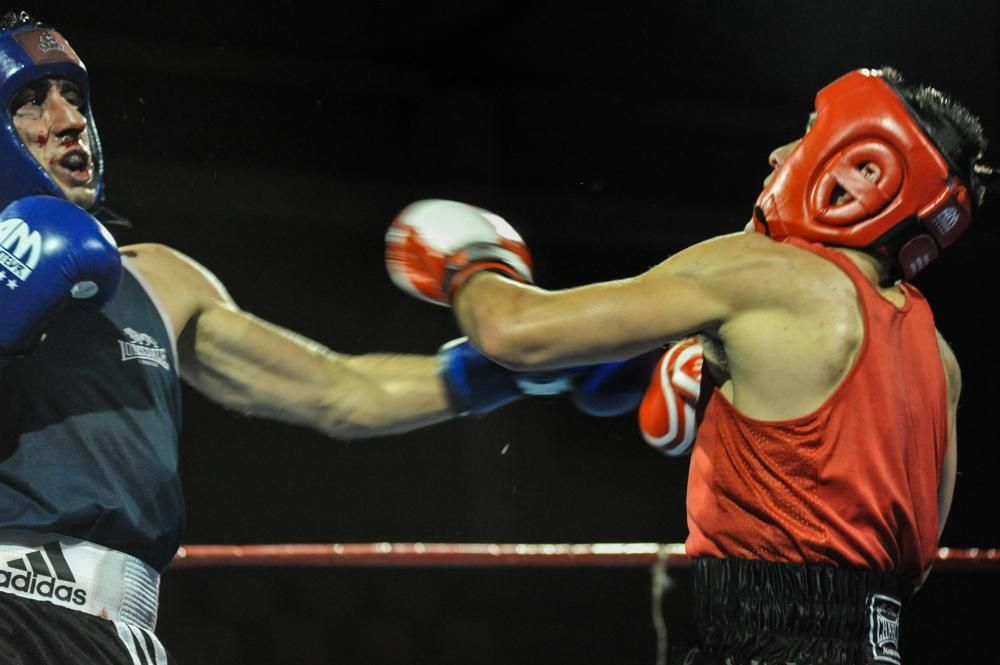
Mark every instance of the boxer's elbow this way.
pixel 512 339
pixel 505 321
pixel 501 342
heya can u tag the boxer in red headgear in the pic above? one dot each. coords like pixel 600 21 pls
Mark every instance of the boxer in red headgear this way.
pixel 824 460
pixel 872 174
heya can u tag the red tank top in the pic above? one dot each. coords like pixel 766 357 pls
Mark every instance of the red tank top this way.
pixel 855 482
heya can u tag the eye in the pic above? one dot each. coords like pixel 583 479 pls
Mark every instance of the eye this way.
pixel 76 99
pixel 72 94
pixel 811 121
pixel 27 98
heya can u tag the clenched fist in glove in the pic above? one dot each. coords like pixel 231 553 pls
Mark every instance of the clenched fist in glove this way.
pixel 671 409
pixel 434 246
pixel 475 384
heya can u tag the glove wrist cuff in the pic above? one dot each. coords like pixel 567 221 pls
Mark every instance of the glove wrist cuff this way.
pixel 474 383
pixel 457 279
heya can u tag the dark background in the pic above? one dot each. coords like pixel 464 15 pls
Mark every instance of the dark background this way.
pixel 275 145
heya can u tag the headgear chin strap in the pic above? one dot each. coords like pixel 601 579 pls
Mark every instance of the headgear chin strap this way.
pixel 29 53
pixel 913 205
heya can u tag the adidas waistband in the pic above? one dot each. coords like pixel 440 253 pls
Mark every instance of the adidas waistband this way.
pixel 80 576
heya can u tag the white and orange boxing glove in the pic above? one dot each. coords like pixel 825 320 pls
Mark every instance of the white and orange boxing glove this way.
pixel 434 246
pixel 669 412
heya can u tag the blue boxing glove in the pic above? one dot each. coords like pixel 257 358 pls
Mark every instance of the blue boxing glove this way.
pixel 611 389
pixel 477 385
pixel 51 252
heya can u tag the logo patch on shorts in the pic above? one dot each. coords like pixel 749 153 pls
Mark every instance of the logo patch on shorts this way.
pixel 143 348
pixel 883 628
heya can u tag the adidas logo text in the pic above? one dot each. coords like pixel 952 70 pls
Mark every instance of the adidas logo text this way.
pixel 44 573
pixel 43 587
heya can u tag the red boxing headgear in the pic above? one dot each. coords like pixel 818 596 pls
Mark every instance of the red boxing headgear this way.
pixel 913 206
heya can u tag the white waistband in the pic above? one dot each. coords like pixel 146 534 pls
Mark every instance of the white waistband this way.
pixel 79 575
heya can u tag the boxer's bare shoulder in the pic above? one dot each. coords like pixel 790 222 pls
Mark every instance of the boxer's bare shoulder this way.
pixel 183 286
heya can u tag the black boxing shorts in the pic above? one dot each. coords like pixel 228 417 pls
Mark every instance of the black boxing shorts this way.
pixel 765 613
pixel 36 632
pixel 65 601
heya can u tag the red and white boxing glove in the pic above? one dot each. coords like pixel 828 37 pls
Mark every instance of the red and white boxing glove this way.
pixel 668 414
pixel 434 246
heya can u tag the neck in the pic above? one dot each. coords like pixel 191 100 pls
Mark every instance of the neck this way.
pixel 877 269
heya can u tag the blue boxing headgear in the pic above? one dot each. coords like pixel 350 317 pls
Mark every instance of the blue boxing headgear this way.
pixel 29 52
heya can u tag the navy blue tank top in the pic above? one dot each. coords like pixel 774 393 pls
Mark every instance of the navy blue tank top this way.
pixel 89 426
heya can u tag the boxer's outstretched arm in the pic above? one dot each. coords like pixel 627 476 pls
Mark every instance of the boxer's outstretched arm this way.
pixel 261 369
pixel 523 326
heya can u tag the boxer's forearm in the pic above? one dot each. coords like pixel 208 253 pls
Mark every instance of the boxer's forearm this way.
pixel 263 370
pixel 401 393
pixel 527 328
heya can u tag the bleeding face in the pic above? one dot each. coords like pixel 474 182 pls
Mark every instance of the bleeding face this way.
pixel 49 116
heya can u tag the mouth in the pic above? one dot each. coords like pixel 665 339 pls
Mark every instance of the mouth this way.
pixel 76 165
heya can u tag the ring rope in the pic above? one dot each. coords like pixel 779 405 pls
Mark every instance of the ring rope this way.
pixel 655 556
pixel 622 555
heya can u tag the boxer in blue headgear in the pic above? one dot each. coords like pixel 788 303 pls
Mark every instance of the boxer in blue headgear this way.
pixel 31 53
pixel 90 500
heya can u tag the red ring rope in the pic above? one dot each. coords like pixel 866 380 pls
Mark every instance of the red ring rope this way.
pixel 492 555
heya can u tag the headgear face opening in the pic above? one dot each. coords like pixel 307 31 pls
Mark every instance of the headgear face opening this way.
pixel 29 53
pixel 913 206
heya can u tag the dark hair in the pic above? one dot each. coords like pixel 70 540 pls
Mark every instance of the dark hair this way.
pixel 15 19
pixel 957 133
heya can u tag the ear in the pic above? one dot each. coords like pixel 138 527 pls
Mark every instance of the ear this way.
pixel 870 171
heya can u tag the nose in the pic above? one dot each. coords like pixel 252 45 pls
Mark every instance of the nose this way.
pixel 65 117
pixel 779 155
